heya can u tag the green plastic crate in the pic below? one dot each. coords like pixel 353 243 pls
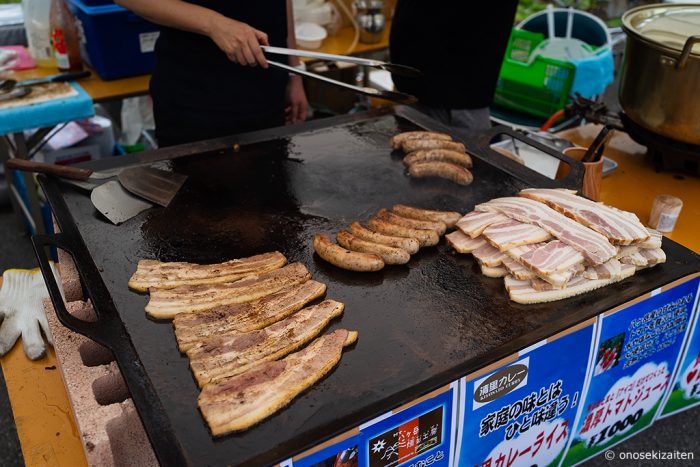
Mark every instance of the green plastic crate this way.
pixel 539 88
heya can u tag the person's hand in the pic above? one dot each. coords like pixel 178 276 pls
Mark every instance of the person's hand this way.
pixel 297 107
pixel 22 312
pixel 239 41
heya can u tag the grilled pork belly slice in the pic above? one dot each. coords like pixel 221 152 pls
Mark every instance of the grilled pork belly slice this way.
pixel 191 328
pixel 552 257
pixel 168 303
pixel 239 402
pixel 498 271
pixel 618 228
pixel 159 275
pixel 223 356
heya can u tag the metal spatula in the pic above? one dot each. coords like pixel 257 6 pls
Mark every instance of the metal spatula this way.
pixel 158 186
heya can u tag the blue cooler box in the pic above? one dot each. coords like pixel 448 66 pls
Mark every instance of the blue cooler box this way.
pixel 115 42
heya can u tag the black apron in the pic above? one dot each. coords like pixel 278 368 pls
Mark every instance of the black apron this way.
pixel 198 93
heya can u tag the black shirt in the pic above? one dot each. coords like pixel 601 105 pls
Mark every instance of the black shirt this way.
pixel 198 93
pixel 459 48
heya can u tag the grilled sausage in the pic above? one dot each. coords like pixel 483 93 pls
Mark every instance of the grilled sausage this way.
pixel 446 170
pixel 346 259
pixel 424 237
pixel 389 255
pixel 438 227
pixel 397 140
pixel 410 245
pixel 450 218
pixel 441 155
pixel 411 145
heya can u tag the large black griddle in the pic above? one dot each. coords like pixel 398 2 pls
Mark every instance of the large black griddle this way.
pixel 421 326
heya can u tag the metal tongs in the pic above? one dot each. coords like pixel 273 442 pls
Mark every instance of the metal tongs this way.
pixel 402 70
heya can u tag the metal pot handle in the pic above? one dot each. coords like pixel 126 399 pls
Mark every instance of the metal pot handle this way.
pixel 687 49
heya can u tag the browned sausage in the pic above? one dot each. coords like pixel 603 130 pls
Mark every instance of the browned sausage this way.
pixel 389 254
pixel 424 237
pixel 452 172
pixel 441 155
pixel 394 218
pixel 411 145
pixel 346 259
pixel 397 140
pixel 410 245
pixel 450 218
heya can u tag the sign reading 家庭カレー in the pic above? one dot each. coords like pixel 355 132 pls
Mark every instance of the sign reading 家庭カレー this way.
pixel 685 391
pixel 520 411
pixel 637 349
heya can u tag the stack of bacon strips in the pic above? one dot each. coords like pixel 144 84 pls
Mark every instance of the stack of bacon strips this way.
pixel 550 244
pixel 391 238
pixel 433 154
pixel 239 323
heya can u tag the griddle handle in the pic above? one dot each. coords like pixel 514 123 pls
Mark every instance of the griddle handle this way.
pixel 93 330
pixel 574 179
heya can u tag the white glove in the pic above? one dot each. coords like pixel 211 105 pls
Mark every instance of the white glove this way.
pixel 22 311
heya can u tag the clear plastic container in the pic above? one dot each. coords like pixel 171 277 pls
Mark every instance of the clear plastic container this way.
pixel 37 25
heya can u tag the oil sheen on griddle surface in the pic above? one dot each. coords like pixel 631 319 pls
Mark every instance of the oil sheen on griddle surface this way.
pixel 414 321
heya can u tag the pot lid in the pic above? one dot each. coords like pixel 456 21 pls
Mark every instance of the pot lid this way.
pixel 668 25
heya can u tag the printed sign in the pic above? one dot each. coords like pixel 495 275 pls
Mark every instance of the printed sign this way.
pixel 637 349
pixel 420 435
pixel 520 411
pixel 685 392
pixel 342 451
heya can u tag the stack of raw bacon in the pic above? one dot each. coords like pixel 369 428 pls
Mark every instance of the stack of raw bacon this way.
pixel 239 322
pixel 550 244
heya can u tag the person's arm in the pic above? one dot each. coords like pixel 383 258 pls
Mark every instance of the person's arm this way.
pixel 297 105
pixel 239 41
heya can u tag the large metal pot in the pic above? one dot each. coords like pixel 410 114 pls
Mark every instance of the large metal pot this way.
pixel 660 81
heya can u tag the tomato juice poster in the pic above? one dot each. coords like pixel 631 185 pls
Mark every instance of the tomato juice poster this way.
pixel 521 411
pixel 636 352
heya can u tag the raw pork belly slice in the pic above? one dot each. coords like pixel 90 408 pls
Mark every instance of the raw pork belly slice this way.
pixel 511 233
pixel 635 259
pixel 463 243
pixel 594 246
pixel 523 292
pixel 654 240
pixel 609 270
pixel 552 257
pixel 517 270
pixel 620 229
pixel 653 256
pixel 474 223
pixel 241 401
pixel 498 271
pixel 488 256
pixel 627 250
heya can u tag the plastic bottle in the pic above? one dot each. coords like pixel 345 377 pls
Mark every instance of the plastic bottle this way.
pixel 64 38
pixel 36 23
